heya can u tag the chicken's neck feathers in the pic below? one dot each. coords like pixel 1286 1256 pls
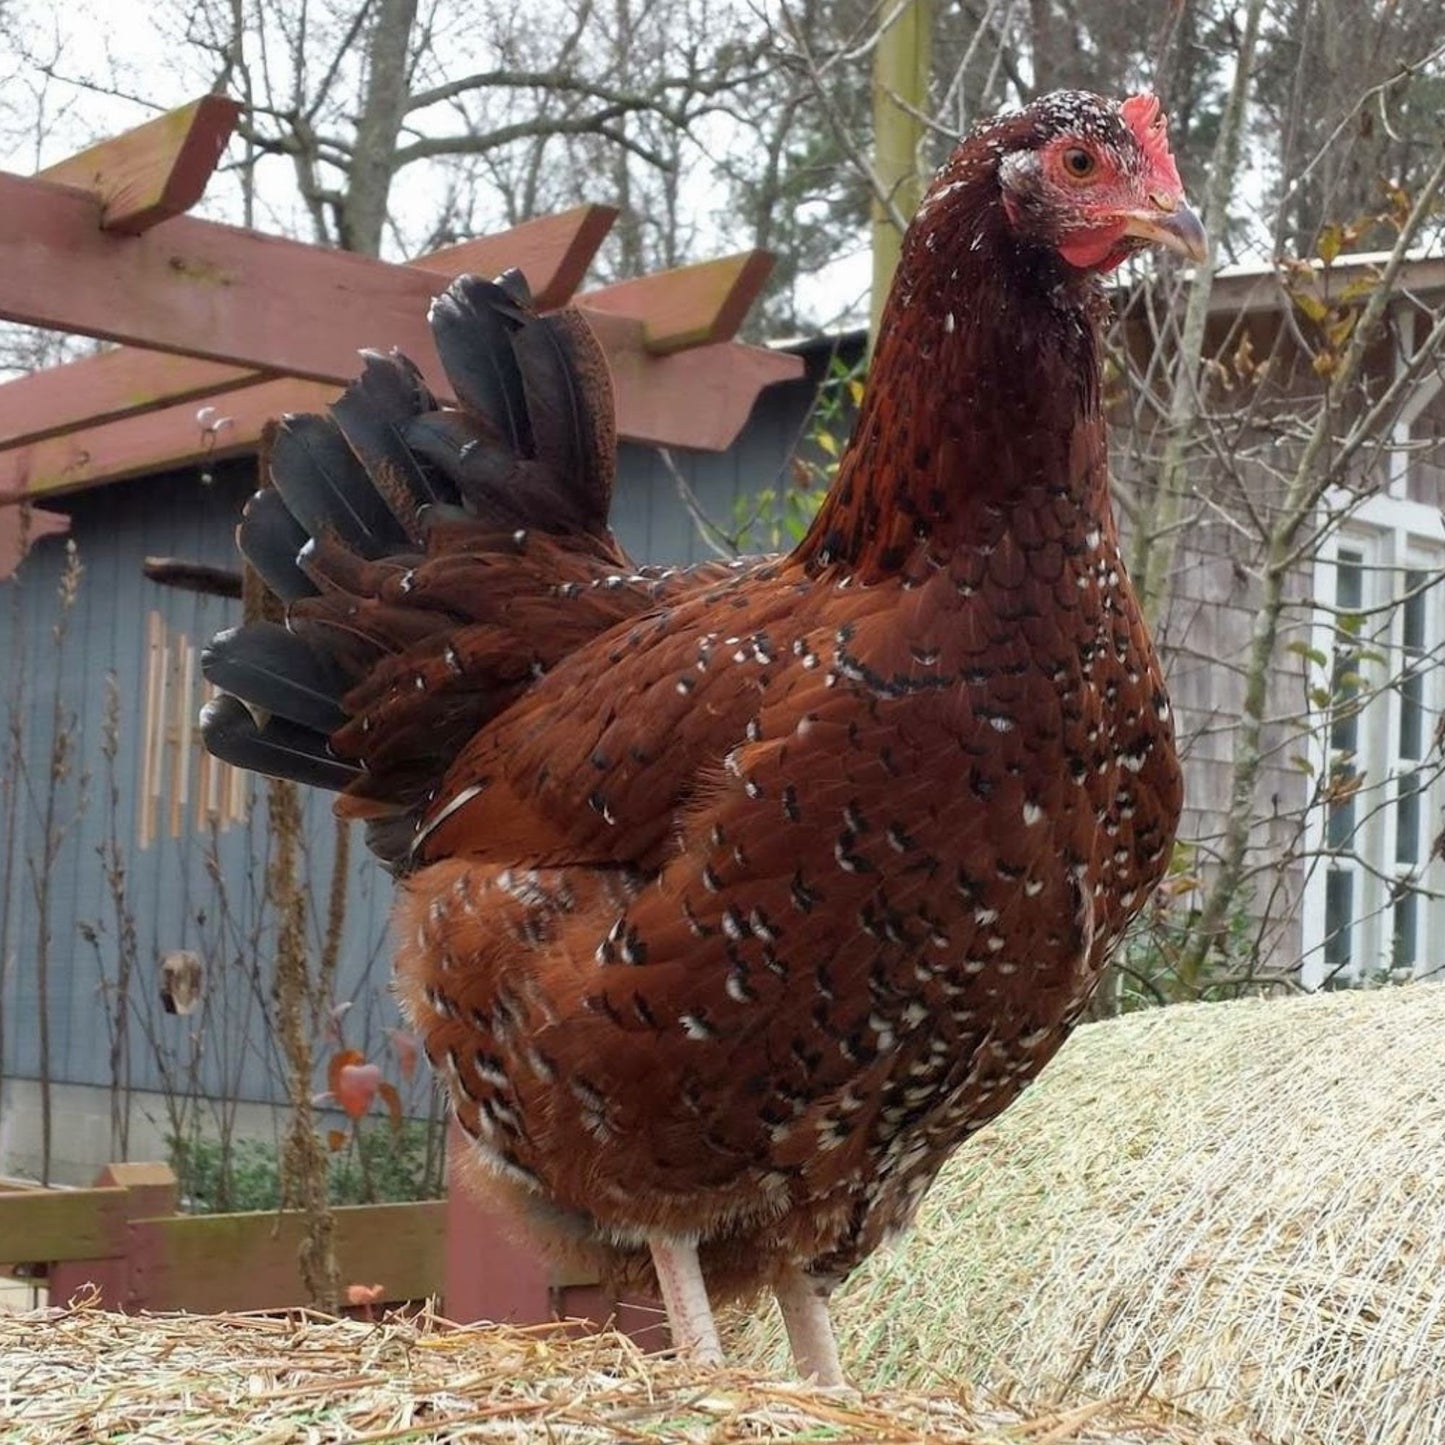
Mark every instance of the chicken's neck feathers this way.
pixel 983 394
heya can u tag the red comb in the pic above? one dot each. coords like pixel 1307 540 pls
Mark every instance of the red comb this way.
pixel 1146 119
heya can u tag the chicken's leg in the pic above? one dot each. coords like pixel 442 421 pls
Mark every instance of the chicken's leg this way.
pixel 689 1312
pixel 803 1300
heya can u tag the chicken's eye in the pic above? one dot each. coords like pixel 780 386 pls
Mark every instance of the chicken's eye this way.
pixel 1078 162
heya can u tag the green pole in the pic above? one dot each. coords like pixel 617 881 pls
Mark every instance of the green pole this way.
pixel 900 96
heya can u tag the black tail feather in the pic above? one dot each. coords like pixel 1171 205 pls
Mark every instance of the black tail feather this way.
pixel 513 285
pixel 327 490
pixel 280 672
pixel 270 539
pixel 558 412
pixel 334 568
pixel 372 413
pixel 279 749
pixel 415 610
pixel 483 469
pixel 473 322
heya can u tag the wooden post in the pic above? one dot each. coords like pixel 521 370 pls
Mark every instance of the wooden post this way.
pixel 150 1191
pixel 901 66
pixel 494 1274
pixel 156 171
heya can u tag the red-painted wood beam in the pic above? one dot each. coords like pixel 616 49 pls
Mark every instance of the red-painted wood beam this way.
pixel 690 305
pixel 120 382
pixel 699 398
pixel 158 170
pixel 154 441
pixel 203 289
pixel 554 251
pixel 229 295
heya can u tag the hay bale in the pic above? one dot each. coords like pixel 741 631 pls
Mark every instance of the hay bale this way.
pixel 85 1375
pixel 1238 1206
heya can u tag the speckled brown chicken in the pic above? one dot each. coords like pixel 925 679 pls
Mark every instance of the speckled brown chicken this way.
pixel 734 899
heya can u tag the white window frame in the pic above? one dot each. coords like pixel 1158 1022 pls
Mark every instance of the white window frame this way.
pixel 1393 534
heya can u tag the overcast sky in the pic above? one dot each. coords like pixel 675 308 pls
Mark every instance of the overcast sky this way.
pixel 121 48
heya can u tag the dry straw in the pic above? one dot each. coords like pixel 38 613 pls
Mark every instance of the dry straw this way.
pixel 83 1375
pixel 1240 1207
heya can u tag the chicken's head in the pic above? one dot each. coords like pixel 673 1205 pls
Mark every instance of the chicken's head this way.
pixel 1096 181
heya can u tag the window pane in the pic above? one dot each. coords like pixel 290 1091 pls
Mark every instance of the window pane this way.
pixel 1340 820
pixel 1407 819
pixel 1412 714
pixel 1349 594
pixel 1405 948
pixel 1415 583
pixel 1349 580
pixel 1412 681
pixel 1339 917
pixel 1345 729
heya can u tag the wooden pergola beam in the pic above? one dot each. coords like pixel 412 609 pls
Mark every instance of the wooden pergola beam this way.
pixel 207 290
pixel 156 171
pixel 697 398
pixel 690 305
pixel 154 441
pixel 98 389
pixel 554 251
pixel 714 387
pixel 693 305
pixel 233 296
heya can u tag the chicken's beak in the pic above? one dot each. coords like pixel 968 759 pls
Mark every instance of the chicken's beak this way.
pixel 1169 222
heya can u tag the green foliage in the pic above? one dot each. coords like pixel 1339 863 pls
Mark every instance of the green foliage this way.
pixel 1148 969
pixel 378 1165
pixel 775 519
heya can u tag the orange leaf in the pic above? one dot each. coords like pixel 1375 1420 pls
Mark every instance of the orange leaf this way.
pixel 404 1045
pixel 356 1087
pixel 336 1139
pixel 340 1061
pixel 392 1100
pixel 364 1294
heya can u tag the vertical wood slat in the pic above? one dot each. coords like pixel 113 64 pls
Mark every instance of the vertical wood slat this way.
pixel 145 741
pixel 209 778
pixel 203 789
pixel 220 788
pixel 235 797
pixel 150 730
pixel 162 714
pixel 174 762
pixel 181 732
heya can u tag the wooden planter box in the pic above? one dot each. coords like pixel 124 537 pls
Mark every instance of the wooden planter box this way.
pixel 124 1238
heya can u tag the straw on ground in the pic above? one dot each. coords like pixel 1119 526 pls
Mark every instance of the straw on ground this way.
pixel 86 1375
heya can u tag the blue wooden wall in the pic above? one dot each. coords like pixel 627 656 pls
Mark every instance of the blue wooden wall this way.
pixel 181 896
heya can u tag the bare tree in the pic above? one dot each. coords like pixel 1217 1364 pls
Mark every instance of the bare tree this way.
pixel 1261 446
pixel 498 115
pixel 1253 448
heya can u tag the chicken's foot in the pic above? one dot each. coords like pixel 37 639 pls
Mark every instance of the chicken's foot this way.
pixel 689 1312
pixel 803 1301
